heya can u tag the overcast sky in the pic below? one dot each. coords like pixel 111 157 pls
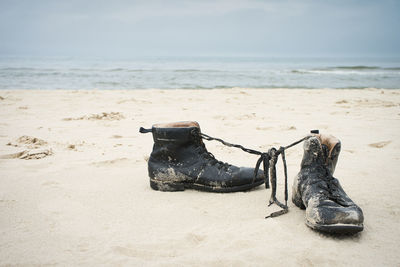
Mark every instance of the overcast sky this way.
pixel 122 28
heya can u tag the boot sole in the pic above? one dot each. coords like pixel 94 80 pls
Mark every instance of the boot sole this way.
pixel 336 228
pixel 168 186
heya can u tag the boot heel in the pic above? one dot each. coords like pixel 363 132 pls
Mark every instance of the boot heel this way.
pixel 166 186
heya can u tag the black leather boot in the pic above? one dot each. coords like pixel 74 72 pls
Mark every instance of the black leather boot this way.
pixel 328 208
pixel 180 160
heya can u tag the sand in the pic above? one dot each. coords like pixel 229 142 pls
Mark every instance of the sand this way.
pixel 74 188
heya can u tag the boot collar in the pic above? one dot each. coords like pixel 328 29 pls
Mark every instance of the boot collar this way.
pixel 177 132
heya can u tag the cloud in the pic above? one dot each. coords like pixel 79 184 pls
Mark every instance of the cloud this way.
pixel 304 27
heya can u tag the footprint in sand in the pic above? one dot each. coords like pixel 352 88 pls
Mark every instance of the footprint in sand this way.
pixel 109 116
pixel 380 144
pixel 29 154
pixel 28 141
pixel 35 150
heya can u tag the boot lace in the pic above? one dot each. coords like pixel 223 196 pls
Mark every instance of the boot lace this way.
pixel 330 188
pixel 202 150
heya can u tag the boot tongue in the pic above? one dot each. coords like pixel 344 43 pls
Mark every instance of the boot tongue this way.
pixel 325 153
pixel 313 152
pixel 329 141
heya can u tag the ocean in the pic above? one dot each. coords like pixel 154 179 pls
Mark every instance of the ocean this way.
pixel 197 73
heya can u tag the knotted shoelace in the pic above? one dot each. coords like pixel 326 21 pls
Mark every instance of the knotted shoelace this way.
pixel 269 160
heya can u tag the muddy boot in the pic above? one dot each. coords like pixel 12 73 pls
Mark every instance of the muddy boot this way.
pixel 328 208
pixel 180 160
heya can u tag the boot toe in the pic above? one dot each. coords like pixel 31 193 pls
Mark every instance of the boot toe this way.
pixel 334 218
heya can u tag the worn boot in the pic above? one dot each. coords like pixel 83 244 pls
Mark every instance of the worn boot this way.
pixel 180 160
pixel 328 208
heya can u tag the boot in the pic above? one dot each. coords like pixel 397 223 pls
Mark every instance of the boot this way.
pixel 180 160
pixel 328 208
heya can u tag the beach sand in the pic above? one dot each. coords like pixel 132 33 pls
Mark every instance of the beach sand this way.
pixel 74 188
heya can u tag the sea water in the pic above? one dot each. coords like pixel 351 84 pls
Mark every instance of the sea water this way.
pixel 197 72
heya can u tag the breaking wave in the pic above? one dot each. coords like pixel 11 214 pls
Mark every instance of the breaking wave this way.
pixel 197 73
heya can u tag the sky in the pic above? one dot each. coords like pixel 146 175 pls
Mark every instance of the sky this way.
pixel 122 28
